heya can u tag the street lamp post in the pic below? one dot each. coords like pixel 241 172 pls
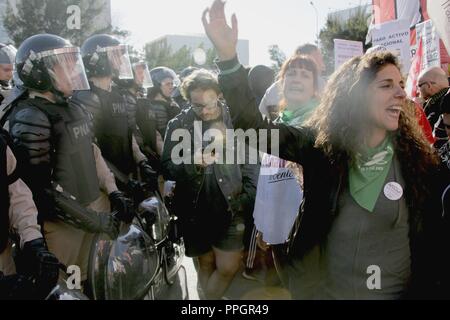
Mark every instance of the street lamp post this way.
pixel 317 21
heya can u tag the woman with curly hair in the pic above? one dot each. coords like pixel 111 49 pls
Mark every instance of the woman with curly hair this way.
pixel 368 206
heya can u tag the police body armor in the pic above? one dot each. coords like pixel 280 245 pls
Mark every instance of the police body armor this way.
pixel 142 125
pixel 164 112
pixel 58 135
pixel 131 102
pixel 146 122
pixel 110 126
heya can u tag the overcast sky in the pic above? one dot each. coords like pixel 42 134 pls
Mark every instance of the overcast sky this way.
pixel 287 23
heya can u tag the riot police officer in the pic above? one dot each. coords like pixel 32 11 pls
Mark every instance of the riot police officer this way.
pixel 55 141
pixel 134 92
pixel 7 56
pixel 36 270
pixel 106 58
pixel 155 112
pixel 162 104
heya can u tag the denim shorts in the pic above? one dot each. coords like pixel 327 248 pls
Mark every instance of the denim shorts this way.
pixel 199 243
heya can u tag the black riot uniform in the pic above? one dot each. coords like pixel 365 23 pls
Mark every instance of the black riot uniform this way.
pixel 133 89
pixel 105 57
pixel 108 108
pixel 147 124
pixel 166 109
pixel 54 138
pixel 69 161
pixel 55 144
pixel 143 125
pixel 110 125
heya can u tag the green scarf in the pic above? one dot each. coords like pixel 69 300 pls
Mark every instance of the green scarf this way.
pixel 368 174
pixel 296 115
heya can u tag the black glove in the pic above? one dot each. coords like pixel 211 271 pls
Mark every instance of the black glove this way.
pixel 123 206
pixel 42 265
pixel 149 175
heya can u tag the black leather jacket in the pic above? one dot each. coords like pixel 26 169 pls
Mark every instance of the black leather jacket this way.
pixel 237 182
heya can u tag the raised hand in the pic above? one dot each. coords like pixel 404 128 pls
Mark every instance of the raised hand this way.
pixel 219 32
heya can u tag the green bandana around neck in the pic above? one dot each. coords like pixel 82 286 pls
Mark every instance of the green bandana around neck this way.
pixel 296 115
pixel 368 174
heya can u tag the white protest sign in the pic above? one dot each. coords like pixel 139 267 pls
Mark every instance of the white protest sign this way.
pixel 430 40
pixel 439 12
pixel 395 37
pixel 345 50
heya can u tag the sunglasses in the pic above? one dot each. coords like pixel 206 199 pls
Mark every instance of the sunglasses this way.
pixel 198 107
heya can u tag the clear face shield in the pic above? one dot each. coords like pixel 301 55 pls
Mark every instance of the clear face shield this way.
pixel 142 75
pixel 7 54
pixel 119 61
pixel 66 70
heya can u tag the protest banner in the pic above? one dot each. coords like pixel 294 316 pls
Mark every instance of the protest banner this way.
pixel 345 50
pixel 394 36
pixel 431 46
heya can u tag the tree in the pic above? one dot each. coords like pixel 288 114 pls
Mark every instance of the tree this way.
pixel 161 54
pixel 355 28
pixel 70 19
pixel 278 56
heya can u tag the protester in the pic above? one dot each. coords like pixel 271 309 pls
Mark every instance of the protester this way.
pixel 272 98
pixel 433 85
pixel 177 96
pixel 260 78
pixel 369 198
pixel 213 193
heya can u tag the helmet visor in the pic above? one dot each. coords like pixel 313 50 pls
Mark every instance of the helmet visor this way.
pixel 142 75
pixel 120 63
pixel 7 54
pixel 66 70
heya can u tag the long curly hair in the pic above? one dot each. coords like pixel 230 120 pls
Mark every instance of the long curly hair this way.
pixel 340 124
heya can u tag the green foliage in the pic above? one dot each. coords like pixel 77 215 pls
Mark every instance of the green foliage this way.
pixel 277 56
pixel 32 17
pixel 353 29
